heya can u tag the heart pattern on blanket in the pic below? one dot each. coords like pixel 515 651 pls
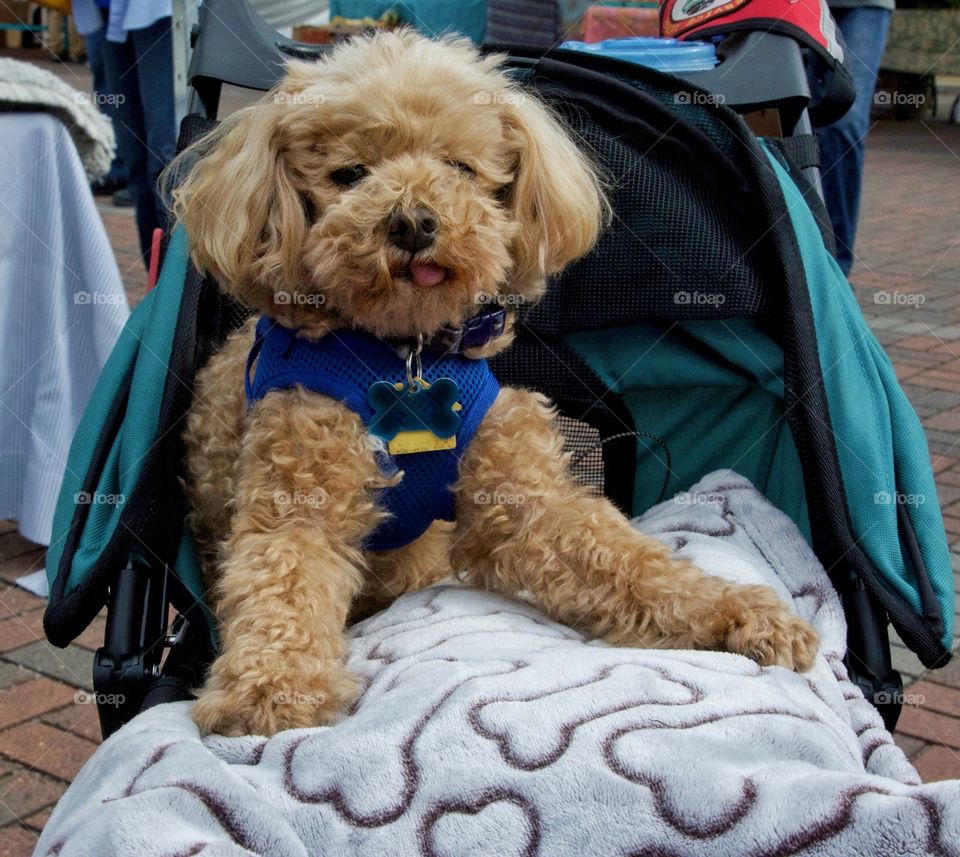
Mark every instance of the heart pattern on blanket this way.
pixel 466 828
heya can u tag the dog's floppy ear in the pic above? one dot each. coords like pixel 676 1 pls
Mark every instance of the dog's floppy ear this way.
pixel 556 195
pixel 243 215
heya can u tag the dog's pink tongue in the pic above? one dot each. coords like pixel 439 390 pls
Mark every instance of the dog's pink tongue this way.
pixel 427 275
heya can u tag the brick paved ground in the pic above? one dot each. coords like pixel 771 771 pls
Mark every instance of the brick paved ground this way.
pixel 909 245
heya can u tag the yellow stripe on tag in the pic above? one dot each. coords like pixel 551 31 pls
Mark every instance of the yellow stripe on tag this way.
pixel 419 441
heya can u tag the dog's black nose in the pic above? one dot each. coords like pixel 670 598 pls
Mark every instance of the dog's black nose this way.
pixel 413 228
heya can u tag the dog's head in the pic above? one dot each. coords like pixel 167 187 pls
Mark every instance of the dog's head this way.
pixel 395 187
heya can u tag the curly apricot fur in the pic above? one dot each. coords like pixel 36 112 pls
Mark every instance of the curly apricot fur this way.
pixel 283 496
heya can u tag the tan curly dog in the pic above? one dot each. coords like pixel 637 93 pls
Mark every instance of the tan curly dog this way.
pixel 293 208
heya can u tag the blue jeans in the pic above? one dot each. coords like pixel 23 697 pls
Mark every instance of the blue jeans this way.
pixel 140 71
pixel 842 143
pixel 107 106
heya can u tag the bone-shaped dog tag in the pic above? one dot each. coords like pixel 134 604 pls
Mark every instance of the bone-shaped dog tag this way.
pixel 417 417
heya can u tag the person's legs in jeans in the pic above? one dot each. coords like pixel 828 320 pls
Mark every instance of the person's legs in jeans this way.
pixel 140 70
pixel 154 49
pixel 842 143
pixel 119 62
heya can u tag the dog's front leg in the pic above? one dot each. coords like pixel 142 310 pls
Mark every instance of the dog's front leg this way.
pixel 290 568
pixel 524 524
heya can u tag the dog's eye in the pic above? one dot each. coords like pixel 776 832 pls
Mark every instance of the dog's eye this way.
pixel 464 168
pixel 349 176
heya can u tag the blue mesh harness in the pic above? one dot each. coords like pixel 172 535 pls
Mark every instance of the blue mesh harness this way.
pixel 344 365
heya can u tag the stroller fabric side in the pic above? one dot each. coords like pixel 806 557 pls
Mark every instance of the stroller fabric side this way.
pixel 120 500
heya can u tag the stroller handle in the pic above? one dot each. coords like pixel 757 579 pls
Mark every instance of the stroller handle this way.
pixel 233 44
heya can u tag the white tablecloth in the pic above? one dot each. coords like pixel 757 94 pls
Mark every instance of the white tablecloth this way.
pixel 62 306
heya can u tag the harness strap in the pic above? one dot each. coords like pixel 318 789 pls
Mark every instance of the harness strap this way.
pixel 251 359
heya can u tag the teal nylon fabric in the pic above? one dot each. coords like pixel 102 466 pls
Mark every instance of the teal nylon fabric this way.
pixel 712 391
pixel 143 351
pixel 881 447
pixel 187 568
pixel 103 516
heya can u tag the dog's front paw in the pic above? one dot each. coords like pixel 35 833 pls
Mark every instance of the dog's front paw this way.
pixel 253 705
pixel 754 622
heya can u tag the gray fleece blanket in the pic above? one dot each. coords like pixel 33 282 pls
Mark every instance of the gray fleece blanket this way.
pixel 487 729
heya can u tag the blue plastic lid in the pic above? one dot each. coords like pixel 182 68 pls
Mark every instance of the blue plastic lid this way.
pixel 669 55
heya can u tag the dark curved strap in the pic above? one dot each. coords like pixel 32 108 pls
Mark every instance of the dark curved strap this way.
pixel 802 150
pixel 836 93
pixel 251 359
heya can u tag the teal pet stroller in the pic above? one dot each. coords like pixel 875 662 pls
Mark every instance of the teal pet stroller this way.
pixel 709 329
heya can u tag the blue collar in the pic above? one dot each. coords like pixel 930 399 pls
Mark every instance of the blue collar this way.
pixel 473 333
